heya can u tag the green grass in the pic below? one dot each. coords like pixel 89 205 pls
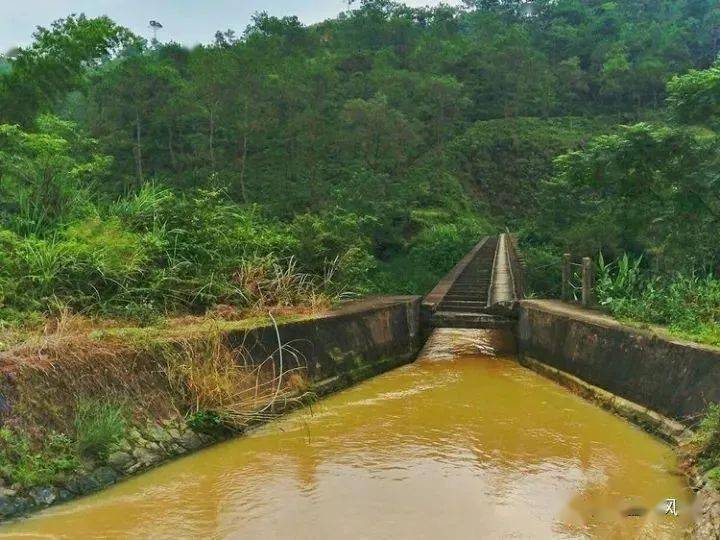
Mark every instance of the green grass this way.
pixel 707 334
pixel 404 274
pixel 200 327
pixel 98 425
pixel 687 306
pixel 27 465
pixel 705 444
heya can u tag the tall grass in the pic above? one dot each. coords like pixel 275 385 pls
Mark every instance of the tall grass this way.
pixel 268 282
pixel 156 252
pixel 705 444
pixel 220 382
pixel 688 304
pixel 98 425
pixel 618 282
pixel 29 464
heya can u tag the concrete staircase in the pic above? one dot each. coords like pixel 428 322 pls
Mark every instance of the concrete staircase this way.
pixel 478 293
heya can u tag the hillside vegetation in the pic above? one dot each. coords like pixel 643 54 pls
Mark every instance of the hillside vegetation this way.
pixel 289 164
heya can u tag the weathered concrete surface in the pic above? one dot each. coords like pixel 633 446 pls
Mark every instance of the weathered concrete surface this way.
pixel 431 301
pixel 502 287
pixel 707 523
pixel 674 378
pixel 447 319
pixel 646 377
pixel 480 292
pixel 367 336
pixel 669 430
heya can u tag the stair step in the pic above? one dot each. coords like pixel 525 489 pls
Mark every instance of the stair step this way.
pixel 466 307
pixel 469 320
pixel 468 291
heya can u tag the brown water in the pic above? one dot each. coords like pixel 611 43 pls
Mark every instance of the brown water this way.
pixel 469 446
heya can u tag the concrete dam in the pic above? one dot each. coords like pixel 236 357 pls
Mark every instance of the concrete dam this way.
pixel 471 412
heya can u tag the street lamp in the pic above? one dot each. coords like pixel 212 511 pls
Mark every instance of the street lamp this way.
pixel 155 25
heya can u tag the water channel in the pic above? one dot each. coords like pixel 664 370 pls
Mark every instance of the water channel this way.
pixel 460 444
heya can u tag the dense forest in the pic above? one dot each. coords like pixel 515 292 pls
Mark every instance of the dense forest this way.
pixel 289 164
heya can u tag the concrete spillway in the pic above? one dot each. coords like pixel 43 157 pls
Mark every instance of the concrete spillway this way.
pixel 462 440
pixel 470 291
pixel 480 291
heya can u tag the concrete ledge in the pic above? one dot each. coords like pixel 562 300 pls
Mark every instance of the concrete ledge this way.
pixel 355 337
pixel 706 508
pixel 454 319
pixel 673 378
pixel 665 428
pixel 660 384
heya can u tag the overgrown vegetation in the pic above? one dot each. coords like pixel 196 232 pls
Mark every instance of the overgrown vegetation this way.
pixel 704 448
pixel 125 381
pixel 226 389
pixel 98 425
pixel 688 304
pixel 361 154
pixel 26 464
pixel 286 167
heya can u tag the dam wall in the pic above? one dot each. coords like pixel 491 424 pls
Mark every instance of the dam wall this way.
pixel 674 378
pixel 354 342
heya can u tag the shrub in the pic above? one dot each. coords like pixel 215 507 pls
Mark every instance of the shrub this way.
pixel 705 445
pixel 98 425
pixel 337 246
pixel 443 239
pixel 268 282
pixel 21 463
pixel 688 304
pixel 542 270
pixel 209 422
pixel 618 282
pixel 157 252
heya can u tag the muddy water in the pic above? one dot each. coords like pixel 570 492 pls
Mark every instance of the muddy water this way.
pixel 458 445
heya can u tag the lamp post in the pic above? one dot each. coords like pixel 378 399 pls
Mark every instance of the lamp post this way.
pixel 155 25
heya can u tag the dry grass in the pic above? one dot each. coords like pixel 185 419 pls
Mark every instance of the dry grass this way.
pixel 45 376
pixel 183 367
pixel 211 376
pixel 271 286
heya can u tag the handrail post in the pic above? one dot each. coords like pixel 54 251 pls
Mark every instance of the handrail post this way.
pixel 565 293
pixel 587 282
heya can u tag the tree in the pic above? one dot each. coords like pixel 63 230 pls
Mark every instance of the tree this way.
pixel 47 175
pixel 647 187
pixel 695 98
pixel 442 106
pixel 380 136
pixel 212 80
pixel 129 94
pixel 56 63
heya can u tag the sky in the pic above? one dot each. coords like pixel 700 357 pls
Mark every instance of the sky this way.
pixel 185 21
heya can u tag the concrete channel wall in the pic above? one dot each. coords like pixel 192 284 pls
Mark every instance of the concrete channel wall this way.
pixel 350 344
pixel 355 342
pixel 676 379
